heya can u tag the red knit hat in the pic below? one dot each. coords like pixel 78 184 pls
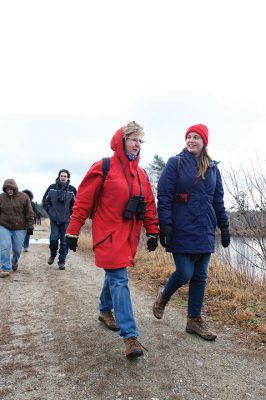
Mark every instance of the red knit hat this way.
pixel 202 130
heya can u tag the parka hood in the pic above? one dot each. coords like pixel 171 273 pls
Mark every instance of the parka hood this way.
pixel 29 193
pixel 117 145
pixel 10 183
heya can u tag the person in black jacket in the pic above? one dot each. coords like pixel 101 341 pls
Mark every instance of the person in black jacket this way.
pixel 58 201
pixel 27 237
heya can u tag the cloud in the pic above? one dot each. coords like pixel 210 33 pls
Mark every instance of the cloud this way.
pixel 35 147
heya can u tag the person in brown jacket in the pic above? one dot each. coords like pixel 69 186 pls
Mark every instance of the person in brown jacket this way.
pixel 16 219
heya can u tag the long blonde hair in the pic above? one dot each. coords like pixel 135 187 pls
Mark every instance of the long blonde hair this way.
pixel 204 160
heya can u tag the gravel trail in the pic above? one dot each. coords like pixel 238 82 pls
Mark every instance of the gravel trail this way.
pixel 52 346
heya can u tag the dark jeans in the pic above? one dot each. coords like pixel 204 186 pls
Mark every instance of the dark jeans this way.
pixel 26 241
pixel 58 232
pixel 190 268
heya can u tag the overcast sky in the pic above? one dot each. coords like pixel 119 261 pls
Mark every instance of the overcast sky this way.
pixel 73 72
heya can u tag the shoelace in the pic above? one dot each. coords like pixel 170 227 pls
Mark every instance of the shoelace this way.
pixel 204 325
pixel 111 319
pixel 162 303
pixel 132 341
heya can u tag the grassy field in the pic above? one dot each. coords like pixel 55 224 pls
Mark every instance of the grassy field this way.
pixel 233 298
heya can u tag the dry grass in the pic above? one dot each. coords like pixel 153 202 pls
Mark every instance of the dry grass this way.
pixel 232 297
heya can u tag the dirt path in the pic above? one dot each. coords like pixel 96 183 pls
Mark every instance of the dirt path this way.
pixel 52 346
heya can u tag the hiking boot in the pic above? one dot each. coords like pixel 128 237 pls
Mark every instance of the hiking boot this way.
pixel 159 305
pixel 61 266
pixel 109 320
pixel 199 327
pixel 4 274
pixel 133 348
pixel 51 260
pixel 14 267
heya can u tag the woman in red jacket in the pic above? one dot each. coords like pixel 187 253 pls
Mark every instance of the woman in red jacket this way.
pixel 124 203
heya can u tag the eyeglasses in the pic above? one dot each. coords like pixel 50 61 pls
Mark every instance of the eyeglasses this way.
pixel 140 141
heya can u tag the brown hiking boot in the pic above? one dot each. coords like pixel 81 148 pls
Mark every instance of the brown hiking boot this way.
pixel 159 305
pixel 133 348
pixel 109 320
pixel 199 327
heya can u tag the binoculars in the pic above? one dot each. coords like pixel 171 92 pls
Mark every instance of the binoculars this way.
pixel 136 204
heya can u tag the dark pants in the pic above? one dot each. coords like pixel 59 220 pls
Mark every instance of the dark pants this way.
pixel 192 268
pixel 58 232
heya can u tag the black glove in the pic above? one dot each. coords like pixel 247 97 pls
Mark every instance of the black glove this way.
pixel 30 231
pixel 152 241
pixel 166 237
pixel 72 242
pixel 225 235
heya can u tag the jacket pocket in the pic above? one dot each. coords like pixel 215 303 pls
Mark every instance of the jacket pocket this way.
pixel 109 237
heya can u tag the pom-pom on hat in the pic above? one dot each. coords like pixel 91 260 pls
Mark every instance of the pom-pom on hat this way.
pixel 202 130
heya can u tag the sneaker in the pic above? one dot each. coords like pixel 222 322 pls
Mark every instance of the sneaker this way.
pixel 25 250
pixel 159 305
pixel 61 266
pixel 133 348
pixel 51 260
pixel 109 320
pixel 14 267
pixel 4 274
pixel 199 327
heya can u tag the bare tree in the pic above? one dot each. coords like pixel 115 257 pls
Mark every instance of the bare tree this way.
pixel 247 191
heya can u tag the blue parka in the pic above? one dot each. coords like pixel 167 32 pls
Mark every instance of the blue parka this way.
pixel 194 221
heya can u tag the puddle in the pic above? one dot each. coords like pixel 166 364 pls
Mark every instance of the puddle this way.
pixel 39 241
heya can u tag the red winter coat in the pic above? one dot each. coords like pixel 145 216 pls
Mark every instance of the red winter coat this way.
pixel 115 239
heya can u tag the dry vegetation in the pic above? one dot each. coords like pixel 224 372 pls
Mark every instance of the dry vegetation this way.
pixel 233 298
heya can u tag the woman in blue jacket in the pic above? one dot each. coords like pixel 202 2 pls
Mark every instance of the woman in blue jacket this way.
pixel 190 206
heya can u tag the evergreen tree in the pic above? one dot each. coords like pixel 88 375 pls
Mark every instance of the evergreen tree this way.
pixel 154 171
pixel 157 165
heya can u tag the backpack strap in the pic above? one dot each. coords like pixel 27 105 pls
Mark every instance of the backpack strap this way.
pixel 105 169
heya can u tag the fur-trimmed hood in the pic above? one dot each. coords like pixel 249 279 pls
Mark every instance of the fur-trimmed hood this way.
pixel 11 184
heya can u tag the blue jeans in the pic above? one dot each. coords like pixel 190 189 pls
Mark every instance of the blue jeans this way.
pixel 8 238
pixel 58 232
pixel 26 241
pixel 192 268
pixel 116 295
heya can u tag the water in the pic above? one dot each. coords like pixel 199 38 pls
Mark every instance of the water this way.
pixel 39 241
pixel 245 254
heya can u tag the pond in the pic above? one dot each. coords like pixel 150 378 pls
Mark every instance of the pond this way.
pixel 245 254
pixel 39 241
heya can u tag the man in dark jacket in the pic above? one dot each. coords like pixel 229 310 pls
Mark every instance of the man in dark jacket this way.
pixel 58 201
pixel 16 219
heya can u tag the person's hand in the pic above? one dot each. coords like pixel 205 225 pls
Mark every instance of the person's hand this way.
pixel 166 237
pixel 30 231
pixel 152 241
pixel 72 242
pixel 225 235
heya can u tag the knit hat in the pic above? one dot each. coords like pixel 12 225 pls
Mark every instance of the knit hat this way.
pixel 202 130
